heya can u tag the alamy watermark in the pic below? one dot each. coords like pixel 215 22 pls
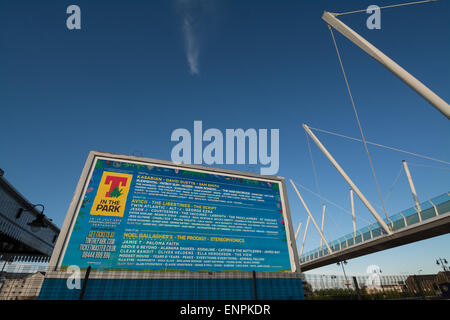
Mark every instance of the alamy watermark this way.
pixel 73 21
pixel 226 148
pixel 74 280
pixel 374 20
pixel 374 279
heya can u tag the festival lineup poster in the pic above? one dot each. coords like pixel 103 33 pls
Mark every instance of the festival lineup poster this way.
pixel 143 217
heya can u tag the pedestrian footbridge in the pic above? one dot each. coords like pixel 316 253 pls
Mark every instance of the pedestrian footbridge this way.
pixel 407 226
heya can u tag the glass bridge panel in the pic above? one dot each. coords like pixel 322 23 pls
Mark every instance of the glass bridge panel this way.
pixel 337 246
pixel 427 210
pixel 343 242
pixel 308 256
pixel 316 254
pixel 376 230
pixel 333 246
pixel 398 221
pixel 366 234
pixel 350 242
pixel 442 202
pixel 444 207
pixel 358 238
pixel 411 216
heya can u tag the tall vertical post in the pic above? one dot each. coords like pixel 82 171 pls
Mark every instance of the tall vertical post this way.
pixel 255 289
pixel 7 258
pixel 311 216
pixel 304 236
pixel 349 181
pixel 298 230
pixel 413 189
pixel 86 278
pixel 321 227
pixel 353 212
pixel 358 293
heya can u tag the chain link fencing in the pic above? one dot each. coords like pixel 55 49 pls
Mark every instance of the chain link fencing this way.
pixel 376 286
pixel 21 281
pixel 44 283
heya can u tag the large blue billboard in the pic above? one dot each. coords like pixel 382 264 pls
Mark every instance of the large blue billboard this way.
pixel 149 217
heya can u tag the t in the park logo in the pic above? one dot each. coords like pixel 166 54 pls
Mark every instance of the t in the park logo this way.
pixel 112 194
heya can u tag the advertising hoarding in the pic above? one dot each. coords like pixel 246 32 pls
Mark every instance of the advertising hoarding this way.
pixel 139 214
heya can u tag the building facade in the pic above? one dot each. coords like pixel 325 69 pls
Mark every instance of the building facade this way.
pixel 24 229
pixel 21 286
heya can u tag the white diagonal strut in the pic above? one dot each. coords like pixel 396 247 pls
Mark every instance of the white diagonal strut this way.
pixel 347 178
pixel 353 212
pixel 413 189
pixel 310 215
pixel 321 227
pixel 304 236
pixel 387 62
pixel 298 230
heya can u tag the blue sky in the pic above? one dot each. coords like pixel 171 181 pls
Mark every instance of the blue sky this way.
pixel 123 83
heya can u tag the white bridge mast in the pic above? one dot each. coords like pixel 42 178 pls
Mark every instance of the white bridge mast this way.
pixel 370 49
pixel 349 181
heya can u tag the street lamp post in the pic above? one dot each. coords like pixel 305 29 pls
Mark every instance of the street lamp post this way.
pixel 341 263
pixel 39 222
pixel 381 281
pixel 443 263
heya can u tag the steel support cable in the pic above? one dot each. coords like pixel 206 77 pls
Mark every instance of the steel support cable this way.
pixel 392 187
pixel 331 202
pixel 395 182
pixel 357 119
pixel 427 166
pixel 337 226
pixel 381 146
pixel 387 7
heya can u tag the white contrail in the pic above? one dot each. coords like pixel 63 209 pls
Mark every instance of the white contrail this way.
pixel 190 38
pixel 187 8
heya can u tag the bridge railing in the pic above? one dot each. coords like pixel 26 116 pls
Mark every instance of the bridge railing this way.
pixel 429 209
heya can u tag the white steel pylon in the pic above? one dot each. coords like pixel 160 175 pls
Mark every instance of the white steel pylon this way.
pixel 298 230
pixel 353 212
pixel 304 236
pixel 310 216
pixel 413 189
pixel 387 62
pixel 349 181
pixel 321 227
